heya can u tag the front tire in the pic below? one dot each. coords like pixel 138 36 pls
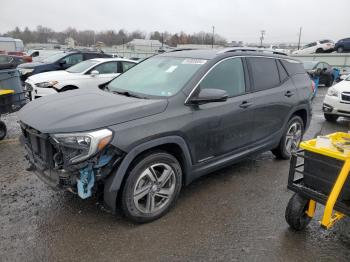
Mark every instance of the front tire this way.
pixel 331 118
pixel 295 215
pixel 152 187
pixel 319 50
pixel 3 130
pixel 291 138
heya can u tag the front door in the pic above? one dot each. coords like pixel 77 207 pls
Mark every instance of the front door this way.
pixel 222 127
pixel 106 72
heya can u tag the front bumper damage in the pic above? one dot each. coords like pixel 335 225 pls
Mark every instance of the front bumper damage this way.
pixel 47 161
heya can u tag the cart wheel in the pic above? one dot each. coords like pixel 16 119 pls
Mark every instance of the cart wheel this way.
pixel 296 215
pixel 3 130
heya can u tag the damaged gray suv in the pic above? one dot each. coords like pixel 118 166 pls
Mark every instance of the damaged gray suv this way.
pixel 165 122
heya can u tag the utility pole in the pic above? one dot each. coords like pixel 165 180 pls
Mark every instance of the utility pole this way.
pixel 212 38
pixel 162 39
pixel 299 37
pixel 262 37
pixel 123 47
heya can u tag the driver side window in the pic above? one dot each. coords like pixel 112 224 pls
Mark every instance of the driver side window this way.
pixel 227 75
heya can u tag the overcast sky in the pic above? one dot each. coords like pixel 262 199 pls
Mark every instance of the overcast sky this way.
pixel 233 19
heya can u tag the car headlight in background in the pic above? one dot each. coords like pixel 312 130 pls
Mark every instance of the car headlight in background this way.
pixel 25 71
pixel 77 147
pixel 46 84
pixel 332 92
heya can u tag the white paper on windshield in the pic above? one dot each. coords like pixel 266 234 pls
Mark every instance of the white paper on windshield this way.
pixel 171 69
pixel 191 61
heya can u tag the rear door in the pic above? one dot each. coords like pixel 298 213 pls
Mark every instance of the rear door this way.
pixel 274 96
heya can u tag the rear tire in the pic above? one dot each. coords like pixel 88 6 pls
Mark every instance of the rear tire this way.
pixel 152 187
pixel 330 81
pixel 3 130
pixel 340 49
pixel 319 50
pixel 331 118
pixel 295 215
pixel 284 151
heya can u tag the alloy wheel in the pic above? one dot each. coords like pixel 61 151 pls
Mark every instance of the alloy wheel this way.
pixel 293 137
pixel 154 188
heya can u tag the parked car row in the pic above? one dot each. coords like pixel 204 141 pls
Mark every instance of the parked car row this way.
pixel 87 74
pixel 337 101
pixel 324 46
pixel 163 123
pixel 59 61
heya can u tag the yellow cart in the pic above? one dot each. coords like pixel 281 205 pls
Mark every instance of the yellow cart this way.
pixel 320 175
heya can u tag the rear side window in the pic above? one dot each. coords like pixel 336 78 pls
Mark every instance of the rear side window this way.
pixel 107 68
pixel 282 71
pixel 227 75
pixel 264 72
pixel 293 67
pixel 127 65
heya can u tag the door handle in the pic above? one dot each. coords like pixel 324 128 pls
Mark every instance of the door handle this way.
pixel 245 104
pixel 289 93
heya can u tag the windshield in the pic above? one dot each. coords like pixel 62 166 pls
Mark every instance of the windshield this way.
pixel 54 58
pixel 82 66
pixel 309 65
pixel 157 76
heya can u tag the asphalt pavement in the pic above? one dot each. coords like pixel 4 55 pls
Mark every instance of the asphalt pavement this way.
pixel 235 214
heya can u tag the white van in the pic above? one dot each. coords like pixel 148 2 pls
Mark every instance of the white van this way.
pixel 8 44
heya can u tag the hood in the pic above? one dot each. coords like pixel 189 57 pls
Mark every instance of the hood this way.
pixel 79 110
pixel 50 76
pixel 32 65
pixel 343 86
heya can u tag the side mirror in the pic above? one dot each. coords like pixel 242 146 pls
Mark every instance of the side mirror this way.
pixel 209 95
pixel 62 62
pixel 94 73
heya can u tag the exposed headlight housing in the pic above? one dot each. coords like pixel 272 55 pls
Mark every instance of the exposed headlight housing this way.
pixel 77 147
pixel 46 84
pixel 25 71
pixel 332 92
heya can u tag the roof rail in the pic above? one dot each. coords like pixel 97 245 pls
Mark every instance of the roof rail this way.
pixel 249 49
pixel 181 49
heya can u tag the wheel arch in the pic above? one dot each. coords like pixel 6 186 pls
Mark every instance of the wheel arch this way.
pixel 68 87
pixel 174 145
pixel 302 113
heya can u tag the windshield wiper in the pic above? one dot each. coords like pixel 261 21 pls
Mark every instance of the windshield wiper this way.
pixel 128 94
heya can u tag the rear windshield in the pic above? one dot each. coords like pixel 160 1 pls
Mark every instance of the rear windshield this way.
pixel 308 65
pixel 293 67
pixel 326 41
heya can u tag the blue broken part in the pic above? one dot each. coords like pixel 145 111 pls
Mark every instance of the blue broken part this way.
pixel 86 179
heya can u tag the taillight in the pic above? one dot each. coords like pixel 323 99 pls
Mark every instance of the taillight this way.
pixel 313 86
pixel 15 53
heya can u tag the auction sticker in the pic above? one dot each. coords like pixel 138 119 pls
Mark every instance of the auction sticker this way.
pixel 191 61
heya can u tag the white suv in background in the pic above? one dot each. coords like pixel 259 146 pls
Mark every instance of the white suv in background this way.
pixel 87 74
pixel 337 101
pixel 320 46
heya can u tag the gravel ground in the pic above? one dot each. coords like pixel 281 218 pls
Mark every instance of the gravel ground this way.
pixel 235 214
